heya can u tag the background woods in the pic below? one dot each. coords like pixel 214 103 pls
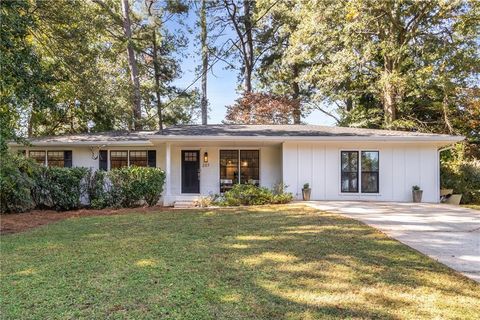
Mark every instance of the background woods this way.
pixel 76 66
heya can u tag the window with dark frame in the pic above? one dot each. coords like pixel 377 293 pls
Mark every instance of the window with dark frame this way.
pixel 118 159
pixel 56 159
pixel 38 156
pixel 239 166
pixel 228 169
pixel 349 174
pixel 370 168
pixel 139 158
pixel 249 167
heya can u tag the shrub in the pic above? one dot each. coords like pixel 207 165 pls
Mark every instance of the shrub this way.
pixel 463 176
pixel 98 195
pixel 58 188
pixel 131 185
pixel 15 183
pixel 248 194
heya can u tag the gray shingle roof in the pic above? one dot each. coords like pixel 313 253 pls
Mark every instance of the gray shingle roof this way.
pixel 282 131
pixel 221 131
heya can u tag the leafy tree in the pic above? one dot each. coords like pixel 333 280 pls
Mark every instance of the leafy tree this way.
pixel 261 108
pixel 386 54
pixel 23 78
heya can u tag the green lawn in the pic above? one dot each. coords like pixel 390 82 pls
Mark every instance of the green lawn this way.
pixel 472 206
pixel 265 262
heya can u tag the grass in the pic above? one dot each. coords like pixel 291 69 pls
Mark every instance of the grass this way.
pixel 265 263
pixel 472 206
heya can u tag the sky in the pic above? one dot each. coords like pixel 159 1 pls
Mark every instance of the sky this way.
pixel 222 83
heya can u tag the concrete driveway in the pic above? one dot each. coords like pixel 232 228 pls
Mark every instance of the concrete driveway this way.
pixel 449 234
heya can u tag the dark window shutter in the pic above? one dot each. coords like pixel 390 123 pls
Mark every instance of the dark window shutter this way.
pixel 152 158
pixel 67 159
pixel 103 160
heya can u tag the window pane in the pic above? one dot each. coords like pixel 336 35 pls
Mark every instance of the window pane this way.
pixel 138 158
pixel 118 159
pixel 249 167
pixel 349 176
pixel 370 182
pixel 38 156
pixel 55 159
pixel 228 169
pixel 370 168
pixel 369 160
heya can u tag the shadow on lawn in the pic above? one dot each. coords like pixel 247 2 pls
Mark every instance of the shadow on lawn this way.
pixel 322 264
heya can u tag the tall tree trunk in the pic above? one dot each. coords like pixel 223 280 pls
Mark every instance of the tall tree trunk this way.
pixel 203 36
pixel 156 68
pixel 389 92
pixel 132 64
pixel 389 102
pixel 297 114
pixel 248 59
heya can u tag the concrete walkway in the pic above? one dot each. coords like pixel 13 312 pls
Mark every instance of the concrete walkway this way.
pixel 449 234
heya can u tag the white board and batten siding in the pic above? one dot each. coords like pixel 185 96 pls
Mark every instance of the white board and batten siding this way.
pixel 401 166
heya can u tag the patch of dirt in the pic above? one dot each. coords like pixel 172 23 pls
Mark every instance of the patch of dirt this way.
pixel 18 222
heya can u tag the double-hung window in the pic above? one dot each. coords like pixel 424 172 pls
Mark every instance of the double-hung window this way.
pixel 125 158
pixel 239 166
pixel 359 168
pixel 52 158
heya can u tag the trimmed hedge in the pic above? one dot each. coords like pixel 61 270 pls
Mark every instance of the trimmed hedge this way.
pixel 25 185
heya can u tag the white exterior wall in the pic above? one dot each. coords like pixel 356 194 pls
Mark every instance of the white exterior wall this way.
pixel 270 169
pixel 401 166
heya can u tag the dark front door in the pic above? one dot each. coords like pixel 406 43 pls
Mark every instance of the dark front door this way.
pixel 190 171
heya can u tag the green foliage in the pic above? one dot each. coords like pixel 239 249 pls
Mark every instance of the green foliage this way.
pixel 15 183
pixel 248 194
pixel 129 186
pixel 58 188
pixel 463 176
pixel 98 195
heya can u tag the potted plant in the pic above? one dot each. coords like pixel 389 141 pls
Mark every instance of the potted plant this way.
pixel 417 194
pixel 306 191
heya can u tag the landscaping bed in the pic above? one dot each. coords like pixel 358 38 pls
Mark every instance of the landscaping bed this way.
pixel 266 262
pixel 18 222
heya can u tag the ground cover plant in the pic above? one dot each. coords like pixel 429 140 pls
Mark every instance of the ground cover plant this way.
pixel 269 262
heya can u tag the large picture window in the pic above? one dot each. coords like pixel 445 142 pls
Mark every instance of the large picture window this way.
pixel 349 171
pixel 239 166
pixel 370 171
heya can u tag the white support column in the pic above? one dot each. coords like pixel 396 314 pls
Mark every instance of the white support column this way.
pixel 168 158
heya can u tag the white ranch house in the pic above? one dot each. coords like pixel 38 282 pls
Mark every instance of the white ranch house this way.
pixel 338 163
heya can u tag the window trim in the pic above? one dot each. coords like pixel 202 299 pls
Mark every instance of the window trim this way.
pixel 359 180
pixel 239 150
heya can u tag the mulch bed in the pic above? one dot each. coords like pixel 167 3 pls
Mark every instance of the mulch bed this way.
pixel 18 222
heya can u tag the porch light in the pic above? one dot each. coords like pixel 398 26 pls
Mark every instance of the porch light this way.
pixel 205 157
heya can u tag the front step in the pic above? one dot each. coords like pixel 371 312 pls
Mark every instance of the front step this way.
pixel 184 204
